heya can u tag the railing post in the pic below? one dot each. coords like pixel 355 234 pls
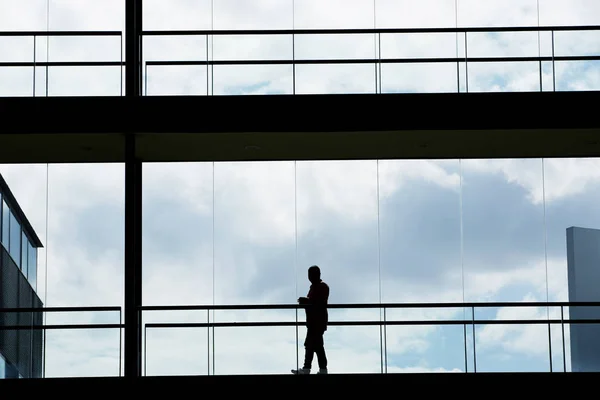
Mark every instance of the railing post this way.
pixel 297 344
pixel 385 338
pixel 465 340
pixel 562 324
pixel 474 352
pixel 550 344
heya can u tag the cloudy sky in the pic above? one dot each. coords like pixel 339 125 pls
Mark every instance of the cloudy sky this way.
pixel 245 233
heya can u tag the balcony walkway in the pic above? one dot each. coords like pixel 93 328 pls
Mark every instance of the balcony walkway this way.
pixel 301 127
pixel 512 384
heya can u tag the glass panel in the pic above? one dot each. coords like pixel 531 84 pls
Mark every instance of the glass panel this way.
pixel 504 260
pixel 475 13
pixel 24 253
pixel 336 79
pixel 82 352
pixel 177 351
pixel 504 77
pixel 177 14
pixel 178 263
pixel 419 78
pixel 29 15
pixel 4 221
pixel 254 264
pixel 416 14
pixel 572 12
pixel 572 188
pixel 15 239
pixel 334 14
pixel 419 206
pixel 337 230
pixel 85 81
pixel 177 215
pixel 2 367
pixel 252 79
pixel 87 15
pixel 32 266
pixel 577 75
pixel 244 14
pixel 16 81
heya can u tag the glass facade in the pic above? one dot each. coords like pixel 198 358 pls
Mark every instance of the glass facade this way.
pixel 384 231
pixel 5 214
pixel 20 350
pixel 16 241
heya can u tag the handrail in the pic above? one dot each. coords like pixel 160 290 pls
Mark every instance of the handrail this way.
pixel 61 309
pixel 374 323
pixel 333 61
pixel 61 33
pixel 382 323
pixel 48 327
pixel 374 305
pixel 350 31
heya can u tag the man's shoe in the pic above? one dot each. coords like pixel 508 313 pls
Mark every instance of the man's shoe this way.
pixel 322 371
pixel 301 371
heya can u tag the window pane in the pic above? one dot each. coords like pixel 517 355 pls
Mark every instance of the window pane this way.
pixel 15 239
pixel 337 230
pixel 32 266
pixel 5 224
pixel 24 248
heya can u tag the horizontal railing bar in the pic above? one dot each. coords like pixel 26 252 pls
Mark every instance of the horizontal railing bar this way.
pixel 369 306
pixel 427 60
pixel 61 33
pixel 297 306
pixel 60 326
pixel 369 323
pixel 61 309
pixel 249 32
pixel 62 63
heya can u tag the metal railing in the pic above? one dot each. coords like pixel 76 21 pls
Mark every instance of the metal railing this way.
pixel 35 63
pixel 46 327
pixel 383 322
pixel 377 61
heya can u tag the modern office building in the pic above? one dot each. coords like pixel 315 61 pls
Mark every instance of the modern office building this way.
pixel 21 350
pixel 135 128
pixel 583 255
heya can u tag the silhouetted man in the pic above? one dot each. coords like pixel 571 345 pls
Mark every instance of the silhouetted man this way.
pixel 316 321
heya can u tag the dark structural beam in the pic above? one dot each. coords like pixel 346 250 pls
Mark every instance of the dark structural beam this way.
pixel 133 199
pixel 301 127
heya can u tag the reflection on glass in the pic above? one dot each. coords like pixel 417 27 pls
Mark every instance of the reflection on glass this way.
pixel 5 225
pixel 24 253
pixel 14 247
pixel 32 267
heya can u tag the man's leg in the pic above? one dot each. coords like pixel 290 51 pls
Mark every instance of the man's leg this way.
pixel 320 350
pixel 310 347
pixel 309 352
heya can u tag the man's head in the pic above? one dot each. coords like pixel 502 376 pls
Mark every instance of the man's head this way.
pixel 314 274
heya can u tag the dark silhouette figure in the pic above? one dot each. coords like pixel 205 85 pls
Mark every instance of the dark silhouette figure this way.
pixel 316 321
